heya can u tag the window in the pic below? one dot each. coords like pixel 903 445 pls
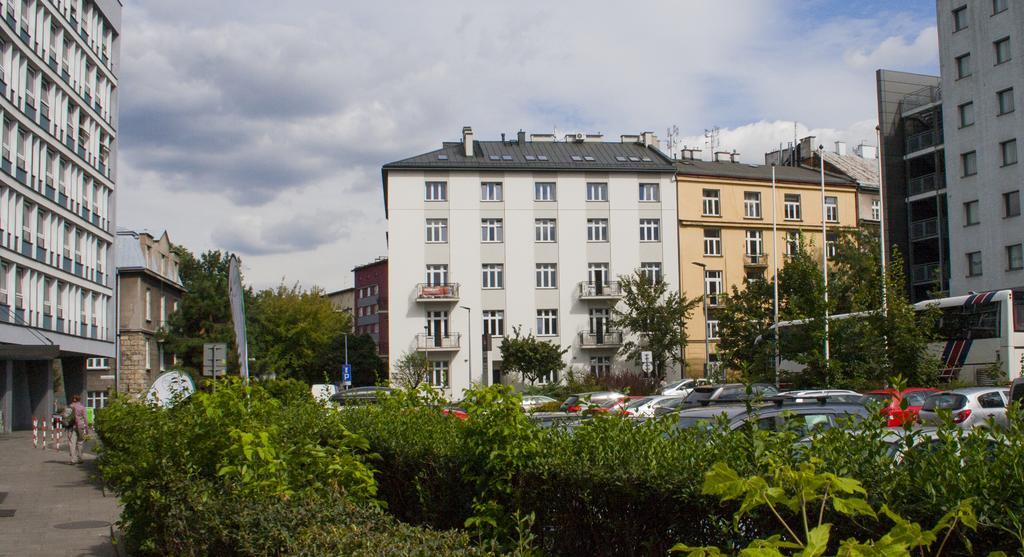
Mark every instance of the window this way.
pixel 712 329
pixel 491 230
pixel 149 355
pixel 966 112
pixel 437 231
pixel 600 366
pixel 96 399
pixel 494 322
pixel 547 322
pixel 597 272
pixel 754 243
pixel 600 318
pixel 97 363
pixel 436 191
pixel 974 264
pixel 650 230
pixel 792 242
pixel 969 163
pixel 959 18
pixel 437 275
pixel 712 203
pixel 438 377
pixel 752 204
pixel 1005 99
pixel 490 191
pixel 597 230
pixel 19 291
pixel 831 243
pixel 712 241
pixel 971 213
pixel 27 210
pixel 3 285
pixel 1015 257
pixel 547 275
pixel 149 305
pixel 1008 152
pixel 545 230
pixel 597 191
pixel 650 192
pixel 163 311
pixel 999 6
pixel 791 206
pixel 963 65
pixel 1002 48
pixel 1011 204
pixel 544 191
pixel 876 209
pixel 831 209
pixel 493 276
pixel 437 326
pixel 651 271
pixel 754 275
pixel 713 287
pixel 160 357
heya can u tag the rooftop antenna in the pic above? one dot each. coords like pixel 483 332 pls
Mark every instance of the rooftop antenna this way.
pixel 792 160
pixel 673 139
pixel 711 139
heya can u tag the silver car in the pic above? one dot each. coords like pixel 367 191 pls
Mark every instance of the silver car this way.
pixel 970 407
pixel 532 402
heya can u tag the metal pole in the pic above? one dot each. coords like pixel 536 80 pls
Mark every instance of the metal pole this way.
pixel 775 277
pixel 346 347
pixel 881 223
pixel 824 255
pixel 704 304
pixel 469 341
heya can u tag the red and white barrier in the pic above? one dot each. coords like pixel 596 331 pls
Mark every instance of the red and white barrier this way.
pixel 43 439
pixel 35 431
pixel 56 431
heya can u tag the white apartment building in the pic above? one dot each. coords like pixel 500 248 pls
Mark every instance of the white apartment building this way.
pixel 487 236
pixel 981 50
pixel 58 61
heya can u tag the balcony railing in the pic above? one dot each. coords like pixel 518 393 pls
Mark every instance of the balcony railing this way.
pixel 922 229
pixel 441 343
pixel 595 290
pixel 755 260
pixel 926 95
pixel 445 292
pixel 923 140
pixel 922 184
pixel 925 273
pixel 607 339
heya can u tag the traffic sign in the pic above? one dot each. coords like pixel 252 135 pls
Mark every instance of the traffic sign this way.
pixel 647 367
pixel 214 359
pixel 647 357
pixel 346 375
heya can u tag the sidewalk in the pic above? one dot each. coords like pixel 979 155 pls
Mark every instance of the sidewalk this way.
pixel 59 509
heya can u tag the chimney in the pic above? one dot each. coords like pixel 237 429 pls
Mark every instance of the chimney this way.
pixel 521 137
pixel 841 148
pixel 467 140
pixel 649 139
pixel 866 151
pixel 629 138
pixel 733 155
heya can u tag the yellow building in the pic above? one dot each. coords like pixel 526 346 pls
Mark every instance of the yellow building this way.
pixel 725 230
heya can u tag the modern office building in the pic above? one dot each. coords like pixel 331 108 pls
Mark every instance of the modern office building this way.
pixel 726 235
pixel 58 169
pixel 371 303
pixel 529 233
pixel 910 119
pixel 981 52
pixel 149 290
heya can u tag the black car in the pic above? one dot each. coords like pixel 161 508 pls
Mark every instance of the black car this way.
pixel 359 396
pixel 727 392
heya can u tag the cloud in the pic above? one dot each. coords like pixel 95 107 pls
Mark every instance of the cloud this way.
pixel 753 140
pixel 250 235
pixel 898 52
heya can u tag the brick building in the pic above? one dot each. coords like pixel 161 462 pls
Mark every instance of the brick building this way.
pixel 371 303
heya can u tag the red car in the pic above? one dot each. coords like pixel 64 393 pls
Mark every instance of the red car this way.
pixel 892 401
pixel 617 406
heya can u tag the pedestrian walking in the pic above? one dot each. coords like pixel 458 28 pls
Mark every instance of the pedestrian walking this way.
pixel 76 425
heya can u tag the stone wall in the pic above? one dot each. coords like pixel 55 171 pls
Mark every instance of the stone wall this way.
pixel 133 379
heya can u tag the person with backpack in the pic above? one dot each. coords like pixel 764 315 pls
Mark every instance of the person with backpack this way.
pixel 76 424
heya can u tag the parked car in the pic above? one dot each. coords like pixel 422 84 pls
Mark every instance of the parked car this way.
pixel 1017 390
pixel 581 401
pixel 669 405
pixel 891 401
pixel 360 396
pixel 648 407
pixel 776 415
pixel 532 402
pixel 618 406
pixel 706 394
pixel 814 395
pixel 683 386
pixel 970 407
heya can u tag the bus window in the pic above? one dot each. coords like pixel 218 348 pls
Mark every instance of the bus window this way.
pixel 1018 311
pixel 975 321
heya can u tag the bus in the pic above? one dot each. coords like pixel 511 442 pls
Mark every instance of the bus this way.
pixel 974 333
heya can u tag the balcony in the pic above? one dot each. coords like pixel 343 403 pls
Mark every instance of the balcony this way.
pixel 594 290
pixel 608 339
pixel 759 260
pixel 926 273
pixel 431 343
pixel 924 229
pixel 923 140
pixel 432 293
pixel 923 184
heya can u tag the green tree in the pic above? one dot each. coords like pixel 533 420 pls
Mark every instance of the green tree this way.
pixel 367 366
pixel 532 359
pixel 411 370
pixel 745 315
pixel 656 319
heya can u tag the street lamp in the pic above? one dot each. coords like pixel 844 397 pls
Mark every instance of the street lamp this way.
pixel 704 299
pixel 469 341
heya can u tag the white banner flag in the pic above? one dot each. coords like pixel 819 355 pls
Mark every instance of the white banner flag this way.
pixel 236 295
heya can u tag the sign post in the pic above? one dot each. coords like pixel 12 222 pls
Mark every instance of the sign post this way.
pixel 214 359
pixel 346 375
pixel 647 361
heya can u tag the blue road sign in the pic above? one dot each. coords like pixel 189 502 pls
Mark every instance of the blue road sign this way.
pixel 346 374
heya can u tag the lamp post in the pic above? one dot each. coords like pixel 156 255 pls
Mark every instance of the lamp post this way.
pixel 824 258
pixel 469 341
pixel 704 299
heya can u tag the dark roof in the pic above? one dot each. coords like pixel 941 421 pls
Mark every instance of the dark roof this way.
pixel 378 261
pixel 545 155
pixel 743 171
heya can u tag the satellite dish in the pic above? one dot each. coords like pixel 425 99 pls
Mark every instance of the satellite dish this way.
pixel 169 388
pixel 322 392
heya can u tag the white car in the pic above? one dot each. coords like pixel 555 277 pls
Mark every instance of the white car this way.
pixel 683 387
pixel 532 402
pixel 814 395
pixel 647 406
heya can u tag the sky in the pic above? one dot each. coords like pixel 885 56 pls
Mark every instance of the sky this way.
pixel 259 127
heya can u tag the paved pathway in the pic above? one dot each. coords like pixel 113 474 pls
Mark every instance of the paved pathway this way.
pixel 59 509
